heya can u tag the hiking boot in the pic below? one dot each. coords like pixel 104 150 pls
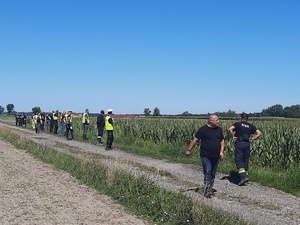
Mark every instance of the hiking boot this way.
pixel 243 181
pixel 207 192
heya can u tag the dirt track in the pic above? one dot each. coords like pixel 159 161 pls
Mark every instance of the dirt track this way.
pixel 35 193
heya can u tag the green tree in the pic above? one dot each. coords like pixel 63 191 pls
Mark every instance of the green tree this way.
pixel 292 111
pixel 36 110
pixel 1 109
pixel 156 112
pixel 186 113
pixel 147 112
pixel 274 111
pixel 10 107
pixel 229 113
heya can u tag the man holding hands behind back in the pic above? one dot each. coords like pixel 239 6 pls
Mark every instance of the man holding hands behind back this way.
pixel 211 150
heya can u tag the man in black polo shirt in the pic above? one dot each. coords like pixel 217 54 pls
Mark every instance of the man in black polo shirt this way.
pixel 241 133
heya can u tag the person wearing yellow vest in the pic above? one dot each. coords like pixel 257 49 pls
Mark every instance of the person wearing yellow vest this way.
pixel 55 122
pixel 109 126
pixel 85 123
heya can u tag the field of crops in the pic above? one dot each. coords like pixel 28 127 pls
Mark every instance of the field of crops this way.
pixel 279 145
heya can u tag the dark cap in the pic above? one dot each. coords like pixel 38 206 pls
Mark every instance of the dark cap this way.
pixel 102 111
pixel 244 116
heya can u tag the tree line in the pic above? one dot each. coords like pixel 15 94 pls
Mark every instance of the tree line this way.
pixel 272 111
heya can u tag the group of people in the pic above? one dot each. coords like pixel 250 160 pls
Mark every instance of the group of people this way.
pixel 21 119
pixel 103 122
pixel 212 148
pixel 51 121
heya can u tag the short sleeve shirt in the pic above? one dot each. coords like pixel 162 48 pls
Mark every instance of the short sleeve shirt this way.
pixel 243 128
pixel 211 138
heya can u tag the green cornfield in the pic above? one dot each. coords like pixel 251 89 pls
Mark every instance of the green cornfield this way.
pixel 278 147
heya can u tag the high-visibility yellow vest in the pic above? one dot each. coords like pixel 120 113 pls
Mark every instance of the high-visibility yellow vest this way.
pixel 85 118
pixel 69 118
pixel 108 126
pixel 55 117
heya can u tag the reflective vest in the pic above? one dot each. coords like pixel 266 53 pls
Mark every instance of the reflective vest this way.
pixel 108 126
pixel 55 117
pixel 85 118
pixel 69 118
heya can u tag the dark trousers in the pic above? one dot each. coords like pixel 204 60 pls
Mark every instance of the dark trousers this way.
pixel 210 166
pixel 51 125
pixel 55 126
pixel 100 134
pixel 110 138
pixel 69 129
pixel 242 156
pixel 100 131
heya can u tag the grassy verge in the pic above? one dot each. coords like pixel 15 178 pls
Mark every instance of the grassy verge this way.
pixel 138 194
pixel 286 180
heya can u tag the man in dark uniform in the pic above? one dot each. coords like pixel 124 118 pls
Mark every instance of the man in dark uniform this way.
pixel 21 119
pixel 24 119
pixel 100 126
pixel 55 122
pixel 17 116
pixel 51 121
pixel 43 118
pixel 241 133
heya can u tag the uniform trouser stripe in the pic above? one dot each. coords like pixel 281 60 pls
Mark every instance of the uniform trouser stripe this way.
pixel 242 170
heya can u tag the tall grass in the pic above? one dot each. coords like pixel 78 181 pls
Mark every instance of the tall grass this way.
pixel 138 194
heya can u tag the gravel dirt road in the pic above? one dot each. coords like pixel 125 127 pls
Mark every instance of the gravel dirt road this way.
pixel 36 193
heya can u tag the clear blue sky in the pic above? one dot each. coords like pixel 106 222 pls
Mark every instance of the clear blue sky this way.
pixel 198 56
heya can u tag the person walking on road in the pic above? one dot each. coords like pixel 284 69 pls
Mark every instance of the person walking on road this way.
pixel 211 150
pixel 109 126
pixel 85 123
pixel 100 126
pixel 241 133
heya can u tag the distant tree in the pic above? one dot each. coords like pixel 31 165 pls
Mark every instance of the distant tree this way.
pixel 292 111
pixel 36 110
pixel 229 113
pixel 186 113
pixel 147 112
pixel 10 107
pixel 1 109
pixel 274 111
pixel 156 112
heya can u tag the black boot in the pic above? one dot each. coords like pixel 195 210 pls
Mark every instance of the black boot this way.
pixel 244 178
pixel 99 139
